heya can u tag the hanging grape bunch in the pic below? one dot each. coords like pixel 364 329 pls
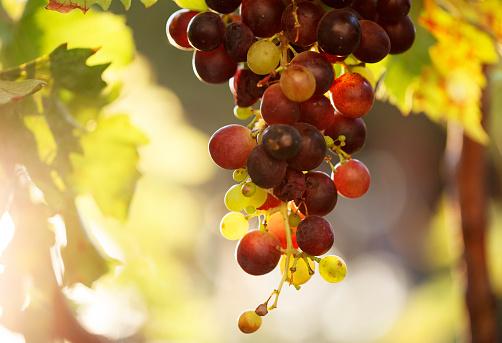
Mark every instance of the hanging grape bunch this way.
pixel 285 57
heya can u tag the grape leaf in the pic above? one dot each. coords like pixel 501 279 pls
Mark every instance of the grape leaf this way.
pixel 195 5
pixel 16 91
pixel 107 169
pixel 65 6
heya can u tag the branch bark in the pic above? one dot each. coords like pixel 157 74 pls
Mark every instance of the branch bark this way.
pixel 471 191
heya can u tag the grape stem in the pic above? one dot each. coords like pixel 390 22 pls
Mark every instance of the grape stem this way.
pixel 289 251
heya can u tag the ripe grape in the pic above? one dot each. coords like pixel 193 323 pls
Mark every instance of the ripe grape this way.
pixel 235 200
pixel 230 145
pixel 206 31
pixel 281 141
pixel 270 202
pixel 176 28
pixel 234 225
pixel 315 235
pixel 257 252
pixel 244 87
pixel 292 186
pixel 213 66
pixel 352 95
pixel 223 6
pixel 354 130
pixel 276 225
pixel 249 321
pixel 312 151
pixel 366 8
pixel 317 111
pixel 263 169
pixel 308 15
pixel 338 32
pixel 276 108
pixel 401 34
pixel 237 41
pixel 393 9
pixel 301 275
pixel 320 195
pixel 375 42
pixel 320 66
pixel 337 3
pixel 352 179
pixel 263 57
pixel 262 16
pixel 298 83
pixel 332 268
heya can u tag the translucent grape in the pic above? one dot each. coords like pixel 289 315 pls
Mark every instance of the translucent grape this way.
pixel 234 225
pixel 298 83
pixel 263 57
pixel 243 113
pixel 248 189
pixel 235 200
pixel 249 321
pixel 332 269
pixel 258 198
pixel 240 174
pixel 301 274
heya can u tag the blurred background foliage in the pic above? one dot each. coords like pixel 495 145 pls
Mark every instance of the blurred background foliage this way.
pixel 134 182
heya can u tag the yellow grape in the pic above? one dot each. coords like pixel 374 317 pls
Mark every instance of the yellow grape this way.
pixel 249 321
pixel 258 198
pixel 332 268
pixel 263 57
pixel 301 275
pixel 235 200
pixel 234 225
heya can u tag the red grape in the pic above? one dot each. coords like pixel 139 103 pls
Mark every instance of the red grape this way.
pixel 352 95
pixel 315 235
pixel 230 145
pixel 352 179
pixel 257 252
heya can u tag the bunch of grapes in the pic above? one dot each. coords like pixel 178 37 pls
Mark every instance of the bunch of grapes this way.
pixel 284 56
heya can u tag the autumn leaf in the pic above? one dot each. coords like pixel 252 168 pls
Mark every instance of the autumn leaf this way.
pixel 16 91
pixel 65 6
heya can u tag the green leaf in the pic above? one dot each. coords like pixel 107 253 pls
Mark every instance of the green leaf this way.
pixel 16 91
pixel 107 169
pixel 65 6
pixel 195 5
pixel 126 3
pixel 148 3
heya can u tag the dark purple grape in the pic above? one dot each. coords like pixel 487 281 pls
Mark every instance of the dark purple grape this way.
pixel 375 42
pixel 176 28
pixel 223 6
pixel 257 252
pixel 354 130
pixel 263 169
pixel 262 16
pixel 339 32
pixel 308 15
pixel 401 34
pixel 313 148
pixel 315 235
pixel 320 195
pixel 213 66
pixel 244 87
pixel 317 111
pixel 292 186
pixel 337 3
pixel 320 66
pixel 206 31
pixel 281 141
pixel 366 9
pixel 393 9
pixel 276 108
pixel 238 39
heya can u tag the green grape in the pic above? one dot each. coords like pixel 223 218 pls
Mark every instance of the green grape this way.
pixel 294 219
pixel 301 274
pixel 258 198
pixel 332 268
pixel 234 225
pixel 240 174
pixel 263 57
pixel 235 200
pixel 249 321
pixel 243 113
pixel 248 189
pixel 250 209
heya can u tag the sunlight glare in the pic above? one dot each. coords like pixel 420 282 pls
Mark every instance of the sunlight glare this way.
pixel 6 231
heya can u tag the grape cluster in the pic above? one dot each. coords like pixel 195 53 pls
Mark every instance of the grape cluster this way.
pixel 285 57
